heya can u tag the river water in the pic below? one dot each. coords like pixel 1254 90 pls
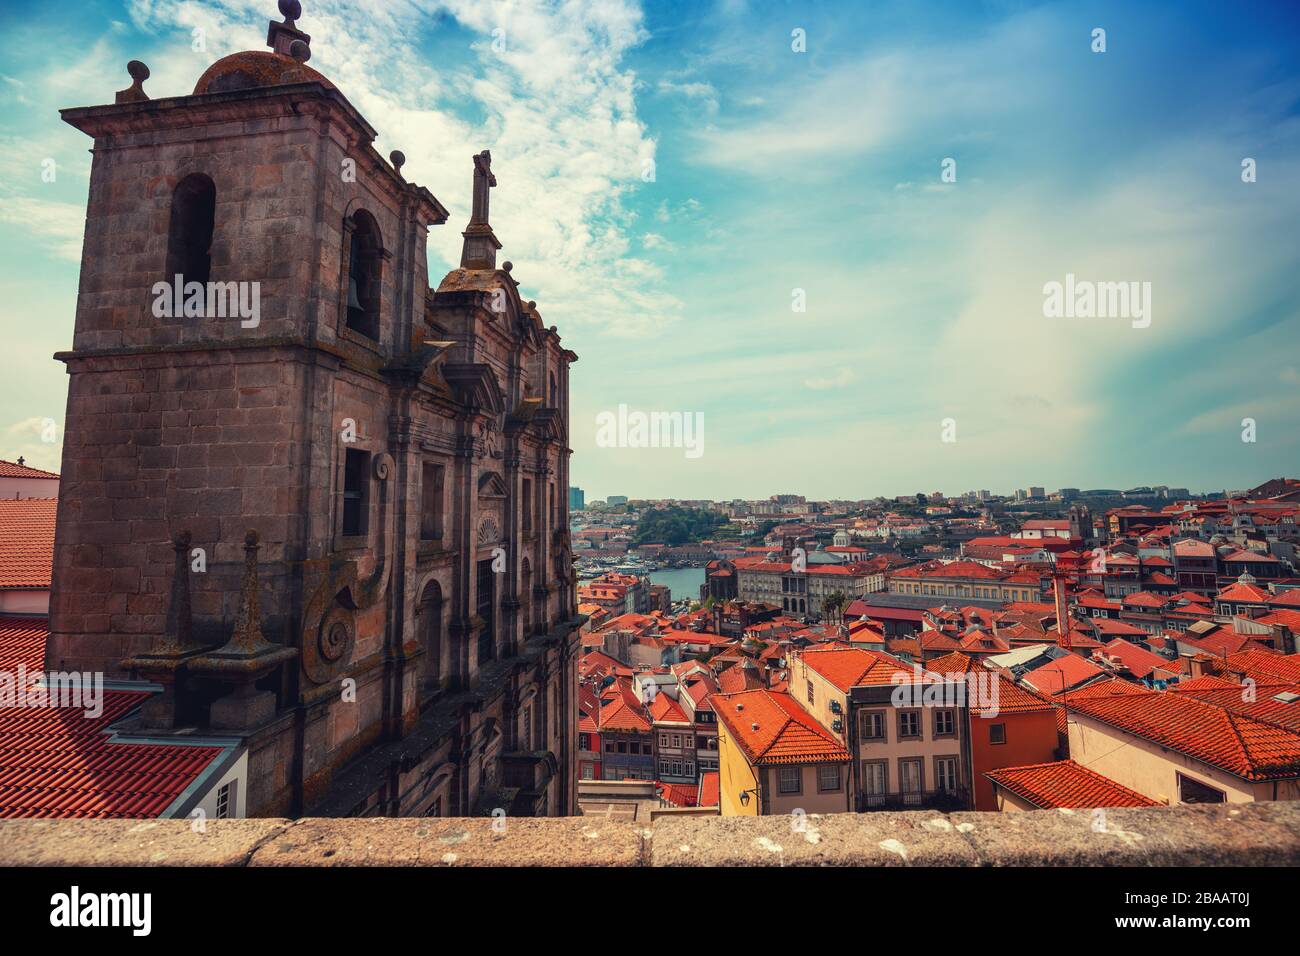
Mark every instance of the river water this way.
pixel 682 582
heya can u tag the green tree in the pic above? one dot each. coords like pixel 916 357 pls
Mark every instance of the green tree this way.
pixel 833 605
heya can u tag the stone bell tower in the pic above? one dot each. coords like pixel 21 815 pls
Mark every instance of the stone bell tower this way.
pixel 309 496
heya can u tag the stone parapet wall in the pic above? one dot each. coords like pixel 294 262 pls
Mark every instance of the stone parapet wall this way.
pixel 1258 834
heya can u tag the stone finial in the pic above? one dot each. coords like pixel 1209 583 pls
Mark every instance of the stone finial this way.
pixel 244 659
pixel 134 93
pixel 283 37
pixel 247 639
pixel 398 159
pixel 507 265
pixel 178 633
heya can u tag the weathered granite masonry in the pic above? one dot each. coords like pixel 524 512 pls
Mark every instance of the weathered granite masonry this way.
pixel 1253 834
pixel 400 451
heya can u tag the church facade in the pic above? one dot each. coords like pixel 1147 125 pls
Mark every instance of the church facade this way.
pixel 318 504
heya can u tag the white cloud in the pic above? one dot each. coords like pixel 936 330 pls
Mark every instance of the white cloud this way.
pixel 26 439
pixel 838 379
pixel 551 98
pixel 59 226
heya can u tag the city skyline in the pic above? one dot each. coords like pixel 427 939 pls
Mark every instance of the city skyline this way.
pixel 720 177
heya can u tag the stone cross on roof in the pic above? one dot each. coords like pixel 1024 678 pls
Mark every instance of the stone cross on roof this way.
pixel 483 182
pixel 481 245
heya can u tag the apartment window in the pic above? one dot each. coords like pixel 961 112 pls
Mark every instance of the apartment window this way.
pixel 588 772
pixel 431 494
pixel 663 768
pixel 911 776
pixel 997 733
pixel 828 778
pixel 945 774
pixel 788 780
pixel 875 776
pixel 356 487
pixel 584 741
pixel 811 695
pixel 663 740
pixel 690 768
pixel 622 747
pixel 677 768
pixel 873 725
pixel 1193 791
pixel 609 748
pixel 945 725
pixel 909 723
pixel 226 800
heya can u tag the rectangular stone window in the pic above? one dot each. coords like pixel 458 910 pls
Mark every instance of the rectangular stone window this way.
pixel 486 582
pixel 527 502
pixel 431 498
pixel 356 491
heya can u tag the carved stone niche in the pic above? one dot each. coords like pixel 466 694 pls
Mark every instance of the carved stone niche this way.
pixel 491 509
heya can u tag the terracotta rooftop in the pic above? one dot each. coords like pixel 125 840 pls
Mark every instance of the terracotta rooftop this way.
pixel 57 762
pixel 1062 674
pixel 11 469
pixel 771 728
pixel 1241 745
pixel 27 542
pixel 854 667
pixel 1066 785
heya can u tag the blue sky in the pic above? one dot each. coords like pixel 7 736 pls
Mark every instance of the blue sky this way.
pixel 775 171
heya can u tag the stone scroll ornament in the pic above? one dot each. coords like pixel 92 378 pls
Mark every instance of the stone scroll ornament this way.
pixel 329 630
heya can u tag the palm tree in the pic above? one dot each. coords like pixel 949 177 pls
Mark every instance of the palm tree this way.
pixel 833 605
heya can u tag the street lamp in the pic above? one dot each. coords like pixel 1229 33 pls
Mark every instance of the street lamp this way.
pixel 744 796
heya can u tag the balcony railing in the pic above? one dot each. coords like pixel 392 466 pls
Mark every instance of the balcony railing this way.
pixel 946 801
